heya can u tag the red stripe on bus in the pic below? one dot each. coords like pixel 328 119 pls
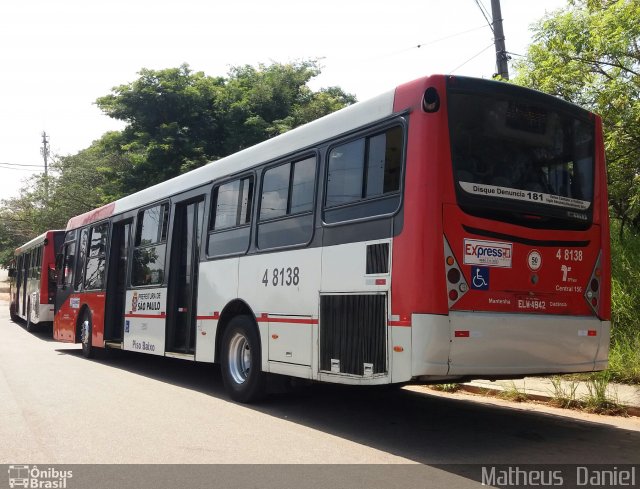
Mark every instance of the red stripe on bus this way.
pixel 265 319
pixel 149 316
pixel 405 324
pixel 295 320
pixel 91 216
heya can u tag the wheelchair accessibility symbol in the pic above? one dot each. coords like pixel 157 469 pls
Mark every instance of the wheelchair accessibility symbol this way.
pixel 480 278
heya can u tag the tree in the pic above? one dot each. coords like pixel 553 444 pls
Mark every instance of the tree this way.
pixel 178 120
pixel 172 124
pixel 589 54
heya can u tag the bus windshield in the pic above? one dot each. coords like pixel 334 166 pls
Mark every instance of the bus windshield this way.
pixel 515 159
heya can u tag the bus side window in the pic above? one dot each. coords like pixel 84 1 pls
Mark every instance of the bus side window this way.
pixel 286 204
pixel 69 262
pixel 229 229
pixel 96 263
pixel 363 177
pixel 39 262
pixel 150 246
pixel 82 256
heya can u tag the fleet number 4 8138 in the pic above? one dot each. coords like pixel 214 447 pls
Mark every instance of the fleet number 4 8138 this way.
pixel 569 255
pixel 281 276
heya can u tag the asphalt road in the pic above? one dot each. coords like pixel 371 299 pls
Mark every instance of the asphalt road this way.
pixel 56 407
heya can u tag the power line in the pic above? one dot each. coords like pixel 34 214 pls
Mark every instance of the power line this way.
pixel 485 13
pixel 471 58
pixel 32 170
pixel 423 44
pixel 18 164
pixel 450 36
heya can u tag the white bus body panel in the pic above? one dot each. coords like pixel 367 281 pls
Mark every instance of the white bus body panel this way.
pixel 507 344
pixel 524 344
pixel 44 314
pixel 145 321
pixel 344 269
pixel 39 313
pixel 288 315
pixel 282 290
pixel 217 286
pixel 430 344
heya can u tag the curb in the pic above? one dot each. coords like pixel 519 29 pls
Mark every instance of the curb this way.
pixel 495 391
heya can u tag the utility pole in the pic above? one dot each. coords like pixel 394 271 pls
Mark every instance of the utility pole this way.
pixel 44 151
pixel 501 50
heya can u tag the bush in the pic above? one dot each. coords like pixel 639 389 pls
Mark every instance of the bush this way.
pixel 624 355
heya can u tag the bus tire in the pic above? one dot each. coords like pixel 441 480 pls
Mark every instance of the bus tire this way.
pixel 242 373
pixel 86 328
pixel 29 326
pixel 12 313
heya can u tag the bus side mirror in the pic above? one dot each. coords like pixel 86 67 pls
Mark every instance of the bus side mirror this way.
pixel 12 273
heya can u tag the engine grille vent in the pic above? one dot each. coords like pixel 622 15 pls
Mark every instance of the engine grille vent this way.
pixel 353 333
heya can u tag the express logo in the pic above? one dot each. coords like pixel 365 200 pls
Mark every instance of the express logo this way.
pixel 487 253
pixel 480 251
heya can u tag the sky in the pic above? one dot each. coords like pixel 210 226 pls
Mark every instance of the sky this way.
pixel 58 56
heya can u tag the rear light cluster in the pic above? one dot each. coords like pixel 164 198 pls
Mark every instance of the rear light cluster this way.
pixel 592 292
pixel 456 284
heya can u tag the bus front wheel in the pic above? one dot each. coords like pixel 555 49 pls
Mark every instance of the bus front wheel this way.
pixel 85 334
pixel 242 373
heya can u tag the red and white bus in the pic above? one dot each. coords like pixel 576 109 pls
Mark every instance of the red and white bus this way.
pixel 33 285
pixel 449 229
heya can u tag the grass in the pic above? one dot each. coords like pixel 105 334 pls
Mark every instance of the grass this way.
pixel 600 399
pixel 624 354
pixel 564 392
pixel 446 387
pixel 512 393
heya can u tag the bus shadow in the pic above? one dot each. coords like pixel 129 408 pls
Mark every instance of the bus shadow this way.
pixel 419 426
pixel 43 333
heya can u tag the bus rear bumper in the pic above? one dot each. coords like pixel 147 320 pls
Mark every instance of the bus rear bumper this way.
pixel 473 344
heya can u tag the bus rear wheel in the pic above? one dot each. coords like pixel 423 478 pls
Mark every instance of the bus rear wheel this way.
pixel 12 313
pixel 242 373
pixel 85 334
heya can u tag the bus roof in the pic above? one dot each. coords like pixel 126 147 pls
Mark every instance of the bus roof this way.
pixel 339 122
pixel 36 241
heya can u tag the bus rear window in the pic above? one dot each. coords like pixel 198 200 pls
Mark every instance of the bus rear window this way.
pixel 514 157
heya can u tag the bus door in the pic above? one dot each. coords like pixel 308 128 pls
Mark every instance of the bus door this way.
pixel 66 307
pixel 183 276
pixel 25 282
pixel 117 280
pixel 19 274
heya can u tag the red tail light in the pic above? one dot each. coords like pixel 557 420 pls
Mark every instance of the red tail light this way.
pixel 592 292
pixel 456 284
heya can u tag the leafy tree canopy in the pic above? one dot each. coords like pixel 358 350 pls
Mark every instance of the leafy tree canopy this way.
pixel 178 120
pixel 589 54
